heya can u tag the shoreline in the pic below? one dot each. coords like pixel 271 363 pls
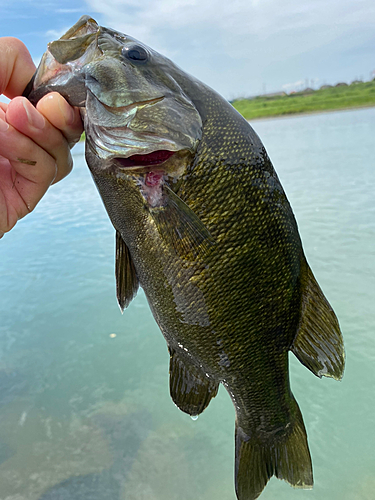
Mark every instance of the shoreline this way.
pixel 338 98
pixel 304 113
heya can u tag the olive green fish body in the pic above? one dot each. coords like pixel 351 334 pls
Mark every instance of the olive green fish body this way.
pixel 204 226
pixel 232 313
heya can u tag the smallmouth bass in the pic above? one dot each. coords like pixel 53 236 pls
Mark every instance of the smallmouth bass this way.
pixel 204 226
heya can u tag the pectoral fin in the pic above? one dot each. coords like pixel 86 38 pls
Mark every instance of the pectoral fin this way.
pixel 180 227
pixel 318 344
pixel 126 277
pixel 190 388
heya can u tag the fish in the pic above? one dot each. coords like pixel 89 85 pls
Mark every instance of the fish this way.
pixel 204 226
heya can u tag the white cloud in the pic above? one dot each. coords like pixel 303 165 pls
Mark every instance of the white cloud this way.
pixel 69 11
pixel 246 17
pixel 55 34
pixel 288 87
pixel 211 37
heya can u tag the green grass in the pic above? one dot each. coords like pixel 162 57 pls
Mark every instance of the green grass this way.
pixel 353 96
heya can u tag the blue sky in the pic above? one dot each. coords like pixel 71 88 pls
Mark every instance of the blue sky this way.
pixel 238 47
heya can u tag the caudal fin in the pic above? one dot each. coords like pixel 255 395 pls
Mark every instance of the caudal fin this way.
pixel 287 457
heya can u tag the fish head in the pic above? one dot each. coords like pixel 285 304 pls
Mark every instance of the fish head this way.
pixel 137 118
pixel 142 131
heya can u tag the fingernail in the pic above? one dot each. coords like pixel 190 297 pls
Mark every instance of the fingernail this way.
pixel 3 126
pixel 67 111
pixel 34 117
pixel 1 234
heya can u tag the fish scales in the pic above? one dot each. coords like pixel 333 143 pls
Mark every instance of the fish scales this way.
pixel 204 226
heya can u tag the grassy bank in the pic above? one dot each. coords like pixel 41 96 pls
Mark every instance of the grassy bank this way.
pixel 351 96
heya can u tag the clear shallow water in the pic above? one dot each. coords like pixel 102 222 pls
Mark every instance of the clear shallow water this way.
pixel 87 415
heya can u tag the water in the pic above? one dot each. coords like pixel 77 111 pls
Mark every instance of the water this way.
pixel 85 412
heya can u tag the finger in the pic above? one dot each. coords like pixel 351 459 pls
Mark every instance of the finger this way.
pixel 62 116
pixel 16 65
pixel 26 176
pixel 22 115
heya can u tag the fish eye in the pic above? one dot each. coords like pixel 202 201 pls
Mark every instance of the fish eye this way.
pixel 135 54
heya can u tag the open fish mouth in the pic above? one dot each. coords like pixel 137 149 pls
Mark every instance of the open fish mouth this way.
pixel 156 158
pixel 162 163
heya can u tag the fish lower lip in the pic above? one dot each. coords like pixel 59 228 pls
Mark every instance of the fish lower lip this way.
pixel 154 158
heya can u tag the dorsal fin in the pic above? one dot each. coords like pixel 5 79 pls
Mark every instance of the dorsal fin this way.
pixel 126 277
pixel 318 343
pixel 190 388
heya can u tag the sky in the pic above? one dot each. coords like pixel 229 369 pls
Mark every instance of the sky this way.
pixel 240 48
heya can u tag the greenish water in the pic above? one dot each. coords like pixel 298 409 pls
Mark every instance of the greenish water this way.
pixel 86 415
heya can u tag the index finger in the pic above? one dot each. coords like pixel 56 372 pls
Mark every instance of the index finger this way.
pixel 16 67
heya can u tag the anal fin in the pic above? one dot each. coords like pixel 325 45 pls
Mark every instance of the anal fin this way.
pixel 190 388
pixel 318 344
pixel 126 277
pixel 286 456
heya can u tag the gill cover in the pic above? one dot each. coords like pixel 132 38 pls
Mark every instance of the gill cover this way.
pixel 130 101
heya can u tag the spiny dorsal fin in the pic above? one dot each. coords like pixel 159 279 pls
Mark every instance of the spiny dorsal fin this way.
pixel 180 227
pixel 318 344
pixel 190 388
pixel 126 277
pixel 286 456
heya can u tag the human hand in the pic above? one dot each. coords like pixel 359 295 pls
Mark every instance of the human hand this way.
pixel 34 142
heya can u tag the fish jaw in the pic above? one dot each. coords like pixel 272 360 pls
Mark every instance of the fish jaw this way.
pixel 60 69
pixel 114 132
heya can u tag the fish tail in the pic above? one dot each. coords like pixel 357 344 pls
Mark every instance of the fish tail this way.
pixel 286 456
